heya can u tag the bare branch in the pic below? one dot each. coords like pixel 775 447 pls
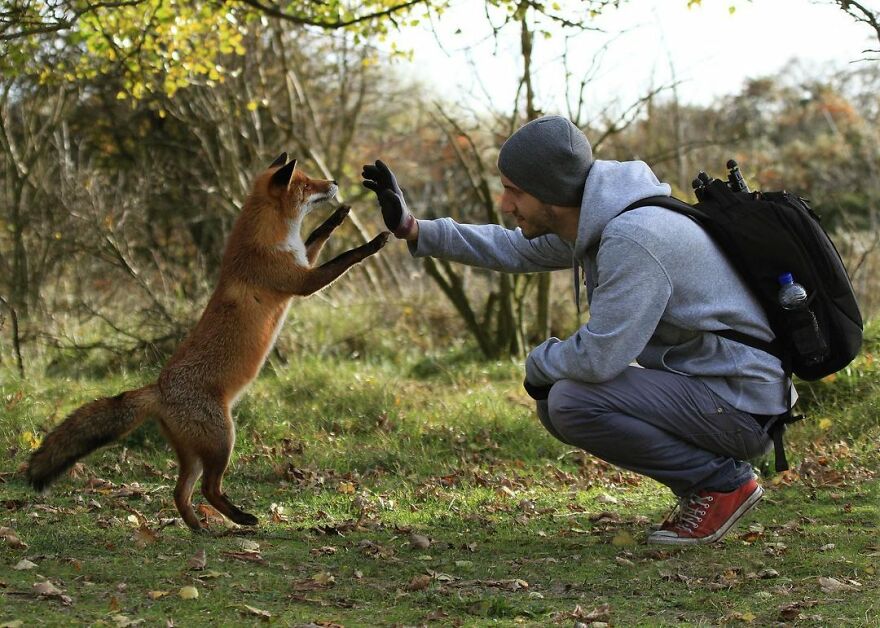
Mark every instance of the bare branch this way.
pixel 863 15
pixel 273 11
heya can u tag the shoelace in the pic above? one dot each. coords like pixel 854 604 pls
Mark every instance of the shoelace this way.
pixel 693 509
pixel 671 519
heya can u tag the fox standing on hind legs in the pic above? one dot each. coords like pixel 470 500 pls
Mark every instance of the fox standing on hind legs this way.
pixel 265 263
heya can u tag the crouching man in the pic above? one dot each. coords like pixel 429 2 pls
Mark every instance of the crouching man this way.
pixel 660 292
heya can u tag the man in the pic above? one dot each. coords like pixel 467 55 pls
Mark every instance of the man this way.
pixel 658 289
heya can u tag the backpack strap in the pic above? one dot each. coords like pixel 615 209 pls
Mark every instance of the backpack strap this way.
pixel 773 347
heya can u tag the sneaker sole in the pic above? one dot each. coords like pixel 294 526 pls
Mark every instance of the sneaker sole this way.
pixel 745 507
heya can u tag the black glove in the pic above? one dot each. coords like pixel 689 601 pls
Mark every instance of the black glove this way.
pixel 538 393
pixel 379 178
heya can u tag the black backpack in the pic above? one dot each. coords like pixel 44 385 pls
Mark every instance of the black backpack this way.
pixel 765 235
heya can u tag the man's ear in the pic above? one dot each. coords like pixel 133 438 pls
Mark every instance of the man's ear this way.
pixel 281 178
pixel 279 161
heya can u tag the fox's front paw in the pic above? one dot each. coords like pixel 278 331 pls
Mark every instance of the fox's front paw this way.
pixel 380 240
pixel 339 215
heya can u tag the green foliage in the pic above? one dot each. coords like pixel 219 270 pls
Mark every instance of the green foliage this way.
pixel 157 47
pixel 152 45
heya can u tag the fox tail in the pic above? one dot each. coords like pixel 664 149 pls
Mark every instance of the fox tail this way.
pixel 87 428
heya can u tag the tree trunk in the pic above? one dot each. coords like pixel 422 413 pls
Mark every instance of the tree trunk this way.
pixel 526 41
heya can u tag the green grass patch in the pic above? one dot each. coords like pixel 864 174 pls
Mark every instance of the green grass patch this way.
pixel 418 490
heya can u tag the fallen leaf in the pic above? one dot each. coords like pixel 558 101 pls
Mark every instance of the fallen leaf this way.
pixel 599 614
pixel 605 498
pixel 122 621
pixel 419 541
pixel 17 623
pixel 419 583
pixel 23 564
pixel 211 516
pixel 264 615
pixel 47 588
pixel 325 550
pixel 833 585
pixel 144 536
pixel 188 593
pixel 158 595
pixel 248 545
pixel 212 574
pixel 11 538
pixel 276 513
pixel 198 561
pixel 30 440
pixel 346 488
pixel 324 579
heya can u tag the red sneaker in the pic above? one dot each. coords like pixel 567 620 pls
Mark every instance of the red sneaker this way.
pixel 706 516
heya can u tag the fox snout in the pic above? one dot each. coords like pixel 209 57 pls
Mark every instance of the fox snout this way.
pixel 319 195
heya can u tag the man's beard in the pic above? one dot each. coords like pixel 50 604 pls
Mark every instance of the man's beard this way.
pixel 544 224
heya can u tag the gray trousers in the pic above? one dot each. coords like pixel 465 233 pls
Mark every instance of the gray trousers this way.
pixel 666 426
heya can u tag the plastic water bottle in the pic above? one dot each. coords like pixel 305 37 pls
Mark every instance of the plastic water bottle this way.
pixel 803 329
pixel 792 295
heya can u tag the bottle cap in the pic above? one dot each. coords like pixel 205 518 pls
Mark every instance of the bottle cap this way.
pixel 785 279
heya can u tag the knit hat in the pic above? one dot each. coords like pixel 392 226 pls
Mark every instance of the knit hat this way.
pixel 549 158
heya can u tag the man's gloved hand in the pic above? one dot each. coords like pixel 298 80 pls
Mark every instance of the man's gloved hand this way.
pixel 538 393
pixel 379 178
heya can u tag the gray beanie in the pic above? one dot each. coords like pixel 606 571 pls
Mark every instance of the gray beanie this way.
pixel 549 158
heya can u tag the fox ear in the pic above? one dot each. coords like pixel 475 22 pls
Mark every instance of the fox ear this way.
pixel 279 161
pixel 281 178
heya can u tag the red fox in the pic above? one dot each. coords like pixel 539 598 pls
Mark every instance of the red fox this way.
pixel 265 263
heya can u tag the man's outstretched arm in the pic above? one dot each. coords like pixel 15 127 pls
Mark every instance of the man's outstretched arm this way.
pixel 487 246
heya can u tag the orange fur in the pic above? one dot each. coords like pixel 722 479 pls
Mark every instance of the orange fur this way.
pixel 265 264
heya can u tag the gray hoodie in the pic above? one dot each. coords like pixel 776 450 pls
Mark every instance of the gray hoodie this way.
pixel 657 287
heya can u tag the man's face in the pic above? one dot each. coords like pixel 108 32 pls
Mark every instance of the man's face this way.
pixel 534 217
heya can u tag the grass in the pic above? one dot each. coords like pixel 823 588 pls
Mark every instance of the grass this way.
pixel 419 489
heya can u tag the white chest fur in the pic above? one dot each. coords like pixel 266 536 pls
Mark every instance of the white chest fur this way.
pixel 294 243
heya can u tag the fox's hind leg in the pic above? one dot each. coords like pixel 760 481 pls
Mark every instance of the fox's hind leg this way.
pixel 215 457
pixel 189 472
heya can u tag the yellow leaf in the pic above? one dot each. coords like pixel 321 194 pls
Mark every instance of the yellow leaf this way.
pixel 748 617
pixel 324 579
pixel 252 105
pixel 188 593
pixel 30 440
pixel 825 424
pixel 346 488
pixel 155 595
pixel 830 378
